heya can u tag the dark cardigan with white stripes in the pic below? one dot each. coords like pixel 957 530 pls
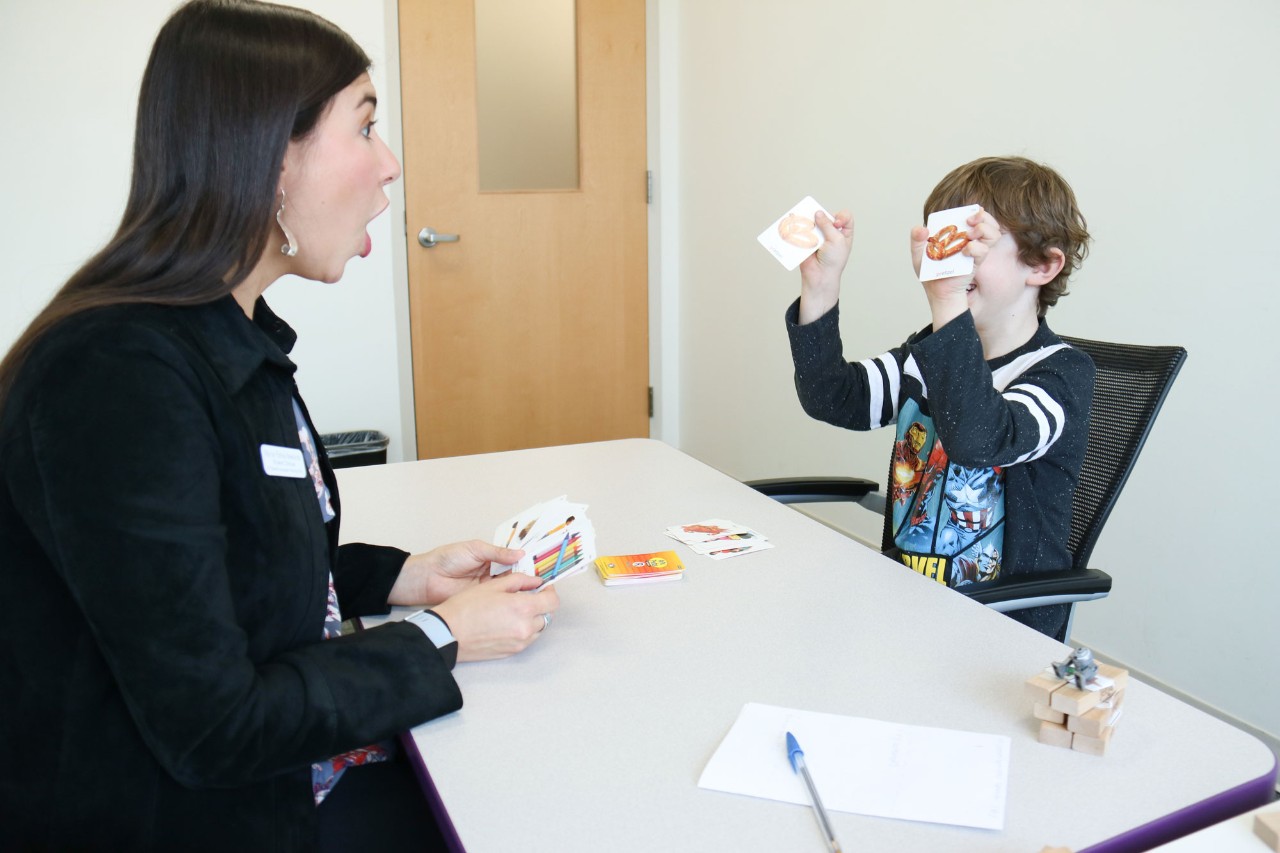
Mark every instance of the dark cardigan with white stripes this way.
pixel 987 452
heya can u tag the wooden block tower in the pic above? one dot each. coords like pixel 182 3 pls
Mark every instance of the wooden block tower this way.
pixel 1078 702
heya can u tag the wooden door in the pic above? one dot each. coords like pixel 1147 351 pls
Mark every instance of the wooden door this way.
pixel 532 329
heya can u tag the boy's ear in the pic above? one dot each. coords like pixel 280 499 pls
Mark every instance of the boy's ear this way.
pixel 1043 273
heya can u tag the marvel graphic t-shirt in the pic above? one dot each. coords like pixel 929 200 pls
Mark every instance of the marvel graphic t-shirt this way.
pixel 948 520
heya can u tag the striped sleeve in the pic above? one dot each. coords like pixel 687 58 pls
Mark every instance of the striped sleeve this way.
pixel 1006 415
pixel 1049 417
pixel 859 395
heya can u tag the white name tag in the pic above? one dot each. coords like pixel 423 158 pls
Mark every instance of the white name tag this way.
pixel 283 461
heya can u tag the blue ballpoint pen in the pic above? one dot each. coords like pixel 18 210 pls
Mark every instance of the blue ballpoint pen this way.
pixel 796 754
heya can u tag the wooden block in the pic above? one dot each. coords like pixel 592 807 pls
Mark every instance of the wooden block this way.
pixel 1091 723
pixel 1055 734
pixel 1092 745
pixel 1070 699
pixel 1116 674
pixel 1266 825
pixel 1056 850
pixel 1043 685
pixel 1042 711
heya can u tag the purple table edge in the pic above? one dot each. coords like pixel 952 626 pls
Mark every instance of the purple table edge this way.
pixel 1192 818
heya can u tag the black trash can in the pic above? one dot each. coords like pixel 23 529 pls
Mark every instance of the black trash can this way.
pixel 352 449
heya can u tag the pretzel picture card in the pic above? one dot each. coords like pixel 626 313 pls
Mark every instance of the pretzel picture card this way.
pixel 948 235
pixel 794 236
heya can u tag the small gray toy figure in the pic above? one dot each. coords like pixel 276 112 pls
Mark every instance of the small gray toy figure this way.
pixel 1078 667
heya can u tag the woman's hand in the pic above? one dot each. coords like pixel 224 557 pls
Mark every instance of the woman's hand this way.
pixel 499 618
pixel 443 572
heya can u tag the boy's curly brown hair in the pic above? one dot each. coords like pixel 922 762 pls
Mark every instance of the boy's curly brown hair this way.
pixel 1030 201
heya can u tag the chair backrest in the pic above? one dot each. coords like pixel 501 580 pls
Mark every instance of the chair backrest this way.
pixel 1131 385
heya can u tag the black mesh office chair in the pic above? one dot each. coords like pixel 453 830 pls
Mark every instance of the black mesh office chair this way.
pixel 1130 388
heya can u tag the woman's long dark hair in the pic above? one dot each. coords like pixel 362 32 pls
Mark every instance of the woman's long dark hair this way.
pixel 228 85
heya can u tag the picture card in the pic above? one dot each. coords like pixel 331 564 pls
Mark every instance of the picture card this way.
pixel 744 536
pixel 567 553
pixel 948 235
pixel 702 531
pixel 515 531
pixel 725 550
pixel 794 236
pixel 556 536
pixel 555 516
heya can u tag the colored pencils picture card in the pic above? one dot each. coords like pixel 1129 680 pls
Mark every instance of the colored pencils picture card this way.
pixel 556 536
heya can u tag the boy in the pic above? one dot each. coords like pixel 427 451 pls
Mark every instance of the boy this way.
pixel 991 407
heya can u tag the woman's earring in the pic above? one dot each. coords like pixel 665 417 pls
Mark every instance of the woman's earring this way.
pixel 290 248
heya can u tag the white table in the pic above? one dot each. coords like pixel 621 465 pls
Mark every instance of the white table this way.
pixel 594 738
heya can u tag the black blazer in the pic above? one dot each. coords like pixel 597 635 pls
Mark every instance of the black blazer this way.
pixel 166 683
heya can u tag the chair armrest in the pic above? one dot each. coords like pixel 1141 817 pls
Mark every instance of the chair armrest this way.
pixel 789 490
pixel 1018 592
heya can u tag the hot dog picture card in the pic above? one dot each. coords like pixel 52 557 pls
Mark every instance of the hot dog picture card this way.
pixel 794 236
pixel 948 235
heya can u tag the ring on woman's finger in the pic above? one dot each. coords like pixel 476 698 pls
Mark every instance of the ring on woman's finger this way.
pixel 546 621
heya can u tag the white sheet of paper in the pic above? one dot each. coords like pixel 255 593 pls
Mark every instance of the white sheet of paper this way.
pixel 866 766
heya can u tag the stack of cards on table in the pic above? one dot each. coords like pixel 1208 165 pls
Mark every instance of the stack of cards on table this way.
pixel 1079 718
pixel 640 568
pixel 719 538
pixel 556 536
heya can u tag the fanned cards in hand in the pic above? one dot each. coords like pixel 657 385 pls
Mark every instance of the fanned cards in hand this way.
pixel 556 536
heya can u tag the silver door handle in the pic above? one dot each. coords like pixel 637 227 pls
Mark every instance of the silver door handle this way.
pixel 429 237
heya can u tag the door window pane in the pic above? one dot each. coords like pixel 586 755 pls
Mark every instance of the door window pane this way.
pixel 527 94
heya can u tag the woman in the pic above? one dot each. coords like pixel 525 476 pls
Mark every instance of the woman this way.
pixel 168 522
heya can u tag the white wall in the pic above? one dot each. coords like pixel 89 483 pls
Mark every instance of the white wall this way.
pixel 1161 115
pixel 70 73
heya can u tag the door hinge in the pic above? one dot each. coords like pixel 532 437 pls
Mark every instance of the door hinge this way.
pixel 648 187
pixel 650 401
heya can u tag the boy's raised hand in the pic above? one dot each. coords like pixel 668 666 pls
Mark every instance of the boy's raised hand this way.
pixel 948 297
pixel 820 272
